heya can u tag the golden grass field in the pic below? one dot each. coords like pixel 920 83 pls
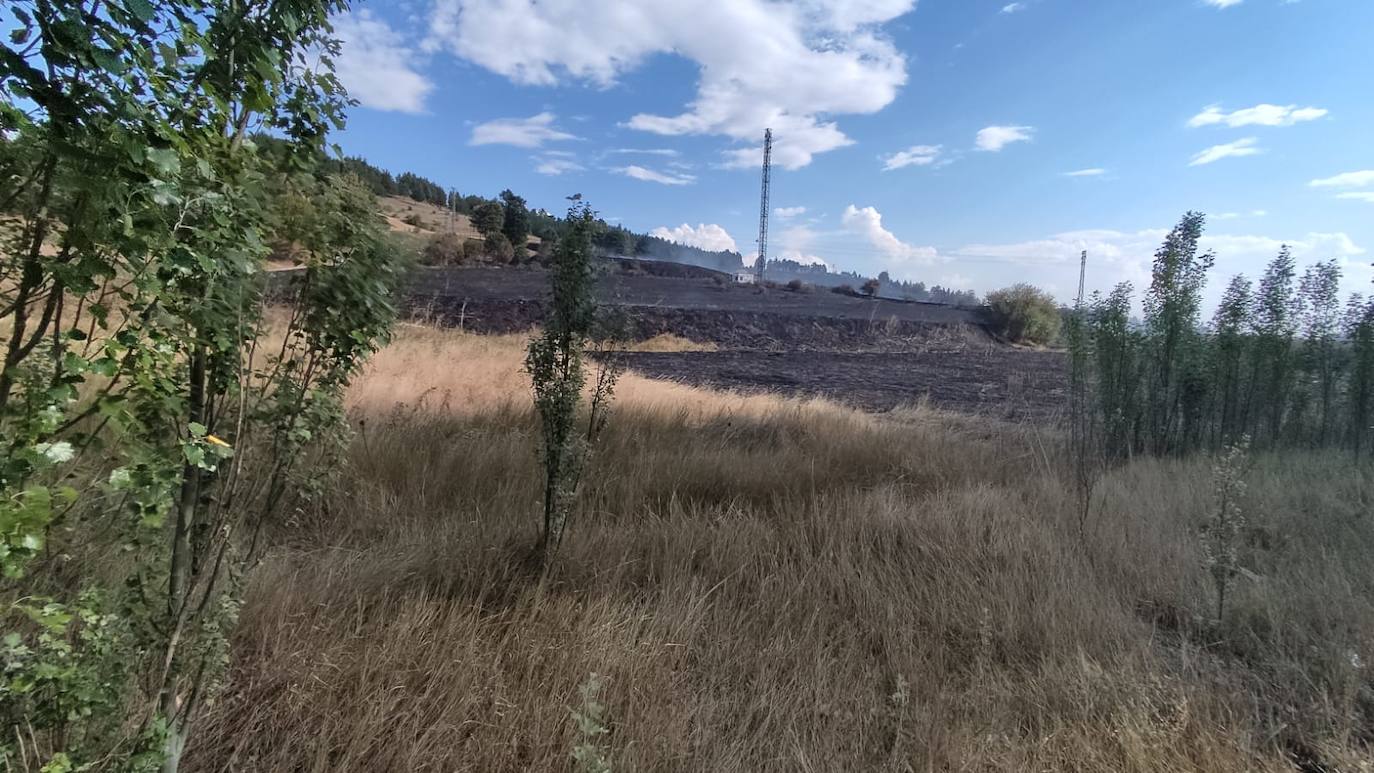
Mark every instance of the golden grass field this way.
pixel 782 585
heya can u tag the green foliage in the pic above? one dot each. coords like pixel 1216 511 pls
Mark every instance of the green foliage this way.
pixel 1023 313
pixel 1222 538
pixel 444 249
pixel 489 218
pixel 132 386
pixel 498 248
pixel 555 362
pixel 515 224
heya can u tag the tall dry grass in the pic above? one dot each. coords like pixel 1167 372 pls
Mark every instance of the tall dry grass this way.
pixel 769 584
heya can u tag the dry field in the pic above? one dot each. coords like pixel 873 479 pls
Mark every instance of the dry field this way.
pixel 764 583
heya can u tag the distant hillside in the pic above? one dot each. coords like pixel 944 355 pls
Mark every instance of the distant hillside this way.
pixel 417 205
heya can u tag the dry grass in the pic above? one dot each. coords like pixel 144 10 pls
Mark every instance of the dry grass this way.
pixel 767 584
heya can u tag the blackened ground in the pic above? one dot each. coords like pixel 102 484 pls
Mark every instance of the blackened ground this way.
pixel 996 381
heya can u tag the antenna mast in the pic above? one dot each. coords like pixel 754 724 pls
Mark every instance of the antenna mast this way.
pixel 762 262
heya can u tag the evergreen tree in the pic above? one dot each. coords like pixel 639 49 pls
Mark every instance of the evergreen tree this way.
pixel 516 221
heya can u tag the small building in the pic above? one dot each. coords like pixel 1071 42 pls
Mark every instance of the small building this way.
pixel 746 276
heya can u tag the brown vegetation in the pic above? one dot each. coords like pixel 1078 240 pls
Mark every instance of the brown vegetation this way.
pixel 772 584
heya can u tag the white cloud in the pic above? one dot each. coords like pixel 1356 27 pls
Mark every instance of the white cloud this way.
pixel 377 66
pixel 1013 7
pixel 795 243
pixel 994 138
pixel 790 65
pixel 707 236
pixel 1223 3
pixel 555 164
pixel 1248 146
pixel 916 155
pixel 653 176
pixel 1086 173
pixel 1357 196
pixel 668 152
pixel 529 132
pixel 867 223
pixel 1346 180
pixel 1236 215
pixel 1259 115
pixel 789 212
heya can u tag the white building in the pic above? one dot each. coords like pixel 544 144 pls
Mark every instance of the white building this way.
pixel 746 277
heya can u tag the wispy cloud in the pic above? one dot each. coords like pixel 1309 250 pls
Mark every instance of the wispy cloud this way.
pixel 1094 172
pixel 1249 146
pixel 1237 215
pixel 1223 3
pixel 529 132
pixel 1357 196
pixel 916 155
pixel 555 163
pixel 1347 180
pixel 1259 115
pixel 669 152
pixel 789 212
pixel 650 175
pixel 1013 7
pixel 993 138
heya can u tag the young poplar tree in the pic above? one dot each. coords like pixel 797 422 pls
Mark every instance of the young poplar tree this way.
pixel 137 416
pixel 1231 345
pixel 555 362
pixel 1116 350
pixel 1275 325
pixel 1172 308
pixel 1359 331
pixel 1321 323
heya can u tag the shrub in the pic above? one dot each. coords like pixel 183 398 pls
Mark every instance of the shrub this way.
pixel 413 220
pixel 798 286
pixel 444 249
pixel 843 290
pixel 473 251
pixel 1023 313
pixel 498 248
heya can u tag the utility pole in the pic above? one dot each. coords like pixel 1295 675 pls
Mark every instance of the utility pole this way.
pixel 762 262
pixel 1082 275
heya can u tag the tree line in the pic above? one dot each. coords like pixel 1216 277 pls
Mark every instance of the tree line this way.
pixel 1282 362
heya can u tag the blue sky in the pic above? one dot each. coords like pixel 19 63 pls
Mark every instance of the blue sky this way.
pixel 936 140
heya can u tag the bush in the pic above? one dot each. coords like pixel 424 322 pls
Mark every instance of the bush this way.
pixel 498 248
pixel 473 251
pixel 843 290
pixel 798 286
pixel 444 249
pixel 1024 313
pixel 413 220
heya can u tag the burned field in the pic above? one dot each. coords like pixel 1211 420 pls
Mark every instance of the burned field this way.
pixel 999 382
pixel 874 354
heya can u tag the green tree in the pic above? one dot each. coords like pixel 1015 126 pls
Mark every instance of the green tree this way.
pixel 555 362
pixel 1321 326
pixel 1172 308
pixel 1117 364
pixel 1359 331
pixel 132 285
pixel 1275 325
pixel 1024 313
pixel 516 222
pixel 498 248
pixel 488 218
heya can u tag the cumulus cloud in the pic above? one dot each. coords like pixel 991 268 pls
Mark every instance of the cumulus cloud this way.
pixel 789 212
pixel 1347 180
pixel 707 236
pixel 867 223
pixel 652 176
pixel 529 132
pixel 994 138
pixel 377 66
pixel 1259 115
pixel 1248 146
pixel 1086 173
pixel 789 65
pixel 916 155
